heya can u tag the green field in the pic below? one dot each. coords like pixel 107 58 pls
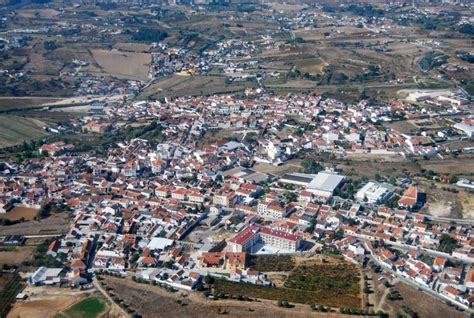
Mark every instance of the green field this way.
pixel 88 308
pixel 15 129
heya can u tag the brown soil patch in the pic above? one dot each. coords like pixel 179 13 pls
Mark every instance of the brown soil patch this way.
pixel 45 302
pixel 16 255
pixel 20 212
pixel 127 65
pixel 145 299
pixel 423 304
pixel 55 224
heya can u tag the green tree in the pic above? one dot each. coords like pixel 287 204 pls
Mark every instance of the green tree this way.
pixel 310 165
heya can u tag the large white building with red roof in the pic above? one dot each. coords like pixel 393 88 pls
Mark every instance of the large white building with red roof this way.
pixel 250 236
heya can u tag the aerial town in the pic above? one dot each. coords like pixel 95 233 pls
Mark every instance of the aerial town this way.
pixel 166 178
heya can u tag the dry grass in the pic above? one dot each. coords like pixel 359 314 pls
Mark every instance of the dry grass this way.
pixel 287 167
pixel 422 303
pixel 132 47
pixel 16 255
pixel 191 85
pixel 125 65
pixel 38 13
pixel 463 164
pixel 24 102
pixel 404 127
pixel 55 224
pixel 384 166
pixel 310 65
pixel 467 202
pixel 20 212
pixel 45 302
pixel 145 299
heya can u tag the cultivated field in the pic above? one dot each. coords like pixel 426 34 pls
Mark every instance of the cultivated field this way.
pixel 15 129
pixel 334 284
pixel 191 85
pixel 124 65
pixel 10 286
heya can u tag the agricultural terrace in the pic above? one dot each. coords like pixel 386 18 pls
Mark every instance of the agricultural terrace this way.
pixel 10 286
pixel 334 285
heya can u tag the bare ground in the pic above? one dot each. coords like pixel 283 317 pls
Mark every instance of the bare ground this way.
pixel 45 302
pixel 153 301
pixel 425 305
pixel 55 224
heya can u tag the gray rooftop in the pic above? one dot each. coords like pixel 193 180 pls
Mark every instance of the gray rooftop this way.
pixel 325 182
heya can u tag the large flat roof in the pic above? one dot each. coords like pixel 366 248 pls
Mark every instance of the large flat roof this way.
pixel 298 177
pixel 325 182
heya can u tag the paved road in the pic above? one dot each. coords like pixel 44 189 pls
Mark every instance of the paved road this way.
pixel 443 219
pixel 36 236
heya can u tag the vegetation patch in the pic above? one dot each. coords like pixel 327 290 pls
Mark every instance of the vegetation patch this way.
pixel 272 263
pixel 9 291
pixel 329 285
pixel 88 308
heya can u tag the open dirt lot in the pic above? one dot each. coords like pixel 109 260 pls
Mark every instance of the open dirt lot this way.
pixel 45 302
pixel 444 203
pixel 310 65
pixel 126 65
pixel 16 255
pixel 132 47
pixel 404 127
pixel 39 13
pixel 287 167
pixel 467 202
pixel 153 301
pixel 463 164
pixel 20 212
pixel 384 166
pixel 55 224
pixel 425 305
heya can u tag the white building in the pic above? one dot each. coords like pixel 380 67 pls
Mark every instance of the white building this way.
pixel 45 276
pixel 467 129
pixel 325 183
pixel 373 192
